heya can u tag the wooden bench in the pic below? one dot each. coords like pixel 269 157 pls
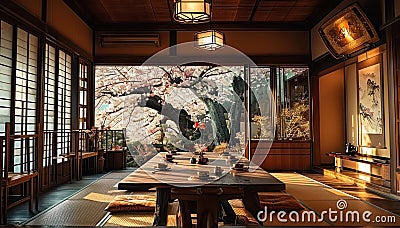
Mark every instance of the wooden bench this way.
pixel 15 179
pixel 88 157
pixel 377 166
pixel 83 150
pixel 78 160
pixel 70 159
pixel 23 174
pixel 113 142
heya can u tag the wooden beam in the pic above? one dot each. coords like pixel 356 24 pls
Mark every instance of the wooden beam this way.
pixel 232 26
pixel 253 12
pixel 66 44
pixel 171 14
pixel 80 12
pixel 44 11
pixel 292 60
pixel 12 13
pixel 319 14
pixel 173 40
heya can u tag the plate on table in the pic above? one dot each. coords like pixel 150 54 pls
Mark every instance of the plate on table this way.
pixel 232 160
pixel 198 153
pixel 225 153
pixel 162 169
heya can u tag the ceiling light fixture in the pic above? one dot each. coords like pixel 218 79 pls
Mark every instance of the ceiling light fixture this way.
pixel 192 11
pixel 209 40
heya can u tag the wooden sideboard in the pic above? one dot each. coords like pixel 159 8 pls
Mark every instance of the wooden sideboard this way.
pixel 283 155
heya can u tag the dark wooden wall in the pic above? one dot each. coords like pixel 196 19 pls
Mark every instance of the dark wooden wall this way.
pixel 284 155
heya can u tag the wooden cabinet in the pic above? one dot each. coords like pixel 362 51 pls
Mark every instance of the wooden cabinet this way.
pixel 283 155
pixel 115 159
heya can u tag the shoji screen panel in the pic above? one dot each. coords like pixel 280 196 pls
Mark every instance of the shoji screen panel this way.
pixel 25 96
pixel 50 93
pixel 6 39
pixel 83 95
pixel 64 101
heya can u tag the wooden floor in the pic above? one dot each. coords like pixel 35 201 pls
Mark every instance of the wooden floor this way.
pixel 49 200
pixel 390 204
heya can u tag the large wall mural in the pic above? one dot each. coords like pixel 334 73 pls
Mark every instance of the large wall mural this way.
pixel 167 108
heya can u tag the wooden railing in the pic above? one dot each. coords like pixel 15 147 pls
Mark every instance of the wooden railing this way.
pixel 19 171
pixel 84 149
pixel 56 152
pixel 97 149
pixel 108 139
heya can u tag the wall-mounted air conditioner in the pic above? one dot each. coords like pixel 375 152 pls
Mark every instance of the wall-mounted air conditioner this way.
pixel 114 40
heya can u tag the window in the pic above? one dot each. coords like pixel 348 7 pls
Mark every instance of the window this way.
pixel 6 39
pixel 50 88
pixel 173 107
pixel 57 103
pixel 50 91
pixel 64 102
pixel 261 108
pixel 289 118
pixel 26 83
pixel 83 95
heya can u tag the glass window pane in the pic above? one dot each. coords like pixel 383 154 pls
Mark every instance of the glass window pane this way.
pixel 261 118
pixel 294 104
pixel 292 110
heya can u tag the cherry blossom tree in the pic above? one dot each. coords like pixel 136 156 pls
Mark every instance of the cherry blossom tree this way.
pixel 159 101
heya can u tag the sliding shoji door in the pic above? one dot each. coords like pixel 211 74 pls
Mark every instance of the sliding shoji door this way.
pixel 57 109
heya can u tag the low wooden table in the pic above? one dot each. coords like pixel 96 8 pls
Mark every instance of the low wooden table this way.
pixel 181 179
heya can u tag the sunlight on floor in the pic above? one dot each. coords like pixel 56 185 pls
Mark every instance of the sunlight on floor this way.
pixel 135 219
pixel 295 178
pixel 98 197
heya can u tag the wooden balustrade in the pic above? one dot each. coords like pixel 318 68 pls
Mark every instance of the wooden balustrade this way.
pixel 19 177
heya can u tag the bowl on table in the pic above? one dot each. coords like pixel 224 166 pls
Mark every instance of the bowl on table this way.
pixel 169 157
pixel 239 166
pixel 218 170
pixel 161 166
pixel 203 175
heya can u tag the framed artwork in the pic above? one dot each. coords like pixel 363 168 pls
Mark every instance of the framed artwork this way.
pixel 347 31
pixel 370 90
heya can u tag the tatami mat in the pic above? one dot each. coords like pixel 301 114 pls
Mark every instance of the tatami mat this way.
pixel 86 208
pixel 72 213
pixel 102 186
pixel 118 174
pixel 135 219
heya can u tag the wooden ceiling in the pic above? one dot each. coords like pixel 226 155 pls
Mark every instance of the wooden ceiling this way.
pixel 233 14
